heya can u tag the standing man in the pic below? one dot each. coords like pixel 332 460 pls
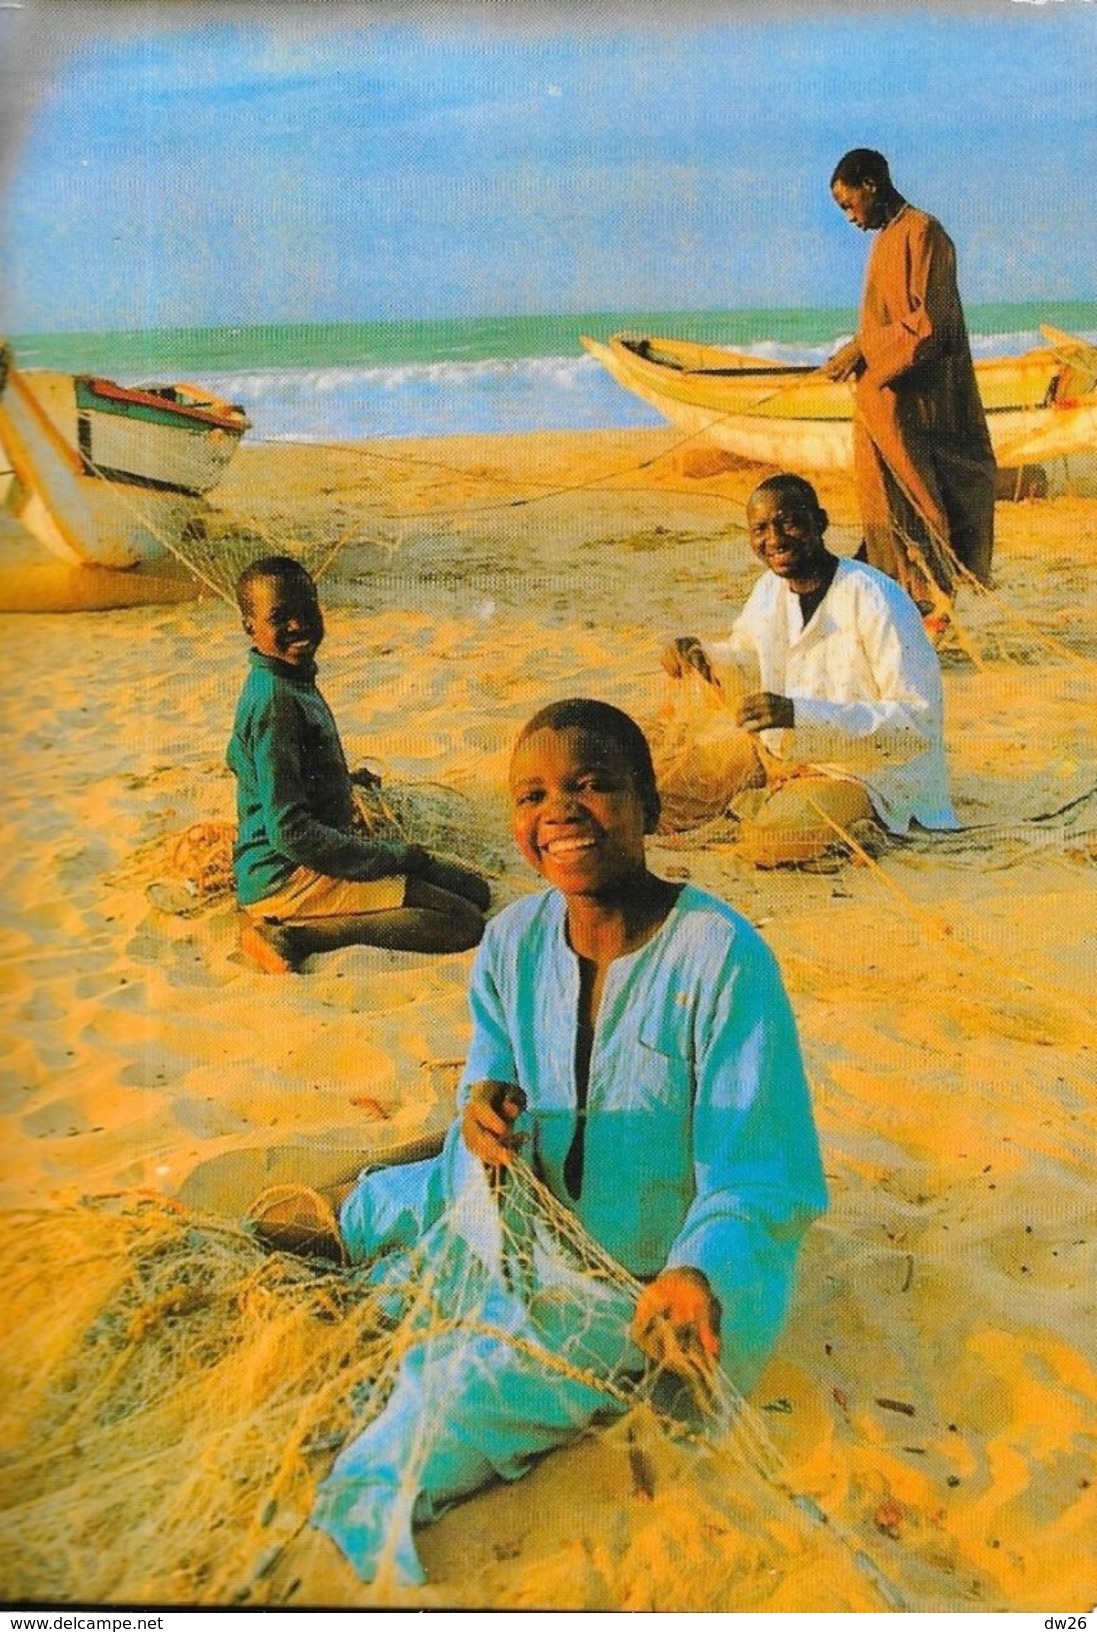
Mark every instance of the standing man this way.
pixel 922 455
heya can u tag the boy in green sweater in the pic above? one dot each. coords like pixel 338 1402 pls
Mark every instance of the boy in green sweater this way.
pixel 306 879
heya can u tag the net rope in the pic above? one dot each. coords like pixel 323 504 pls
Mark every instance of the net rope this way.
pixel 164 1444
pixel 187 872
pixel 216 558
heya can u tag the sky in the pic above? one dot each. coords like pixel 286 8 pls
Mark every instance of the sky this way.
pixel 185 163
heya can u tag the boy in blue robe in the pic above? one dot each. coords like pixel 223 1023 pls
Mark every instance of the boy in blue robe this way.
pixel 632 1046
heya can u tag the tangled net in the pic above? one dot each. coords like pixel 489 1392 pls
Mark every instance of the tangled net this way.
pixel 706 765
pixel 442 819
pixel 164 1427
pixel 216 554
pixel 702 757
pixel 186 873
pixel 176 1395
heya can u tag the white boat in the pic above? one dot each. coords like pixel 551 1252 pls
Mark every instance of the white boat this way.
pixel 109 475
pixel 1039 406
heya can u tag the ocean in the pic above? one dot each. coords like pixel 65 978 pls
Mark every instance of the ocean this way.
pixel 467 376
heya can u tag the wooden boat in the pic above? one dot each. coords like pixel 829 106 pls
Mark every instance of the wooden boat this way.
pixel 109 475
pixel 1041 405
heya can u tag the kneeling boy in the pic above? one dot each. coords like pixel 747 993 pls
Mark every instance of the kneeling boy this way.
pixel 306 880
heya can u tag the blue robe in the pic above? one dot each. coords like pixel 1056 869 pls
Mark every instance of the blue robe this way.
pixel 700 1150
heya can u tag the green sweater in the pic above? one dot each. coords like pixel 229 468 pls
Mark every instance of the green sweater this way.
pixel 294 802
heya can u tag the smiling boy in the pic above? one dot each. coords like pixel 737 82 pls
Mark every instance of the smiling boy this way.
pixel 632 1040
pixel 308 879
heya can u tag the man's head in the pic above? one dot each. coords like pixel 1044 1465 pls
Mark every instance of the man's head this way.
pixel 280 610
pixel 862 188
pixel 786 525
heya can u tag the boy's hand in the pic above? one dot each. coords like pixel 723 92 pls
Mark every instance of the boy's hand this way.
pixel 677 1321
pixel 487 1119
pixel 685 653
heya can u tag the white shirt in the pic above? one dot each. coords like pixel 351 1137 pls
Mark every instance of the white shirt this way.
pixel 865 686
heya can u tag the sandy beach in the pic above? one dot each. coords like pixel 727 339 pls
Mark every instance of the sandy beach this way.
pixel 934 1395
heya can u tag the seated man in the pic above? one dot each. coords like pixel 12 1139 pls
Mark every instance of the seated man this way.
pixel 849 720
pixel 306 880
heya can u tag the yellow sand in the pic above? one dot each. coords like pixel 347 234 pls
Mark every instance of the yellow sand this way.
pixel 935 1390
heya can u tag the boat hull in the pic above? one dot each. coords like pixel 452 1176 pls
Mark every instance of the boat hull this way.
pixel 109 476
pixel 773 415
pixel 145 440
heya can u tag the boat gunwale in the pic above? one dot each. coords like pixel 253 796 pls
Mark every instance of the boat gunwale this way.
pixel 762 369
pixel 654 369
pixel 115 399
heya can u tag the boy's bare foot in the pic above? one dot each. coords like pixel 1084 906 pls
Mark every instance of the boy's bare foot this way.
pixel 268 946
pixel 293 1218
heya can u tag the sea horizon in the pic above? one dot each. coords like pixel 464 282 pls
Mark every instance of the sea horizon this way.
pixel 358 381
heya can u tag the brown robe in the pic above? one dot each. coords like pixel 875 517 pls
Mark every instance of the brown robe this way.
pixel 922 455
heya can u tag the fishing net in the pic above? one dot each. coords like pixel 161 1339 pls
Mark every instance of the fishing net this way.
pixel 188 872
pixel 170 1389
pixel 216 549
pixel 446 821
pixel 176 1395
pixel 185 873
pixel 216 554
pixel 803 818
pixel 702 757
pixel 719 785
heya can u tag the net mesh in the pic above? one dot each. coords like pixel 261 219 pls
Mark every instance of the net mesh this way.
pixel 711 774
pixel 188 871
pixel 216 551
pixel 165 1441
pixel 702 756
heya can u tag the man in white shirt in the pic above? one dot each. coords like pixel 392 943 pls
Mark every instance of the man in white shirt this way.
pixel 849 720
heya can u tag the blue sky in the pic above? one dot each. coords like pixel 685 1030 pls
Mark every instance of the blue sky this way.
pixel 200 163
